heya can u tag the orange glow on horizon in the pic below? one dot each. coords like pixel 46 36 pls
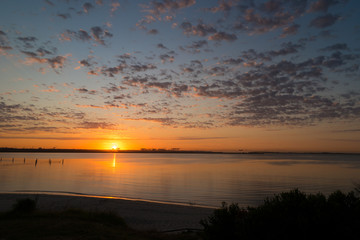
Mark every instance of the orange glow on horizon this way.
pixel 223 139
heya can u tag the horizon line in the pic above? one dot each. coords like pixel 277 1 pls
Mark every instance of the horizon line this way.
pixel 161 150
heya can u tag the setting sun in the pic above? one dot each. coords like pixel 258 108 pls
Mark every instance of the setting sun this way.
pixel 114 147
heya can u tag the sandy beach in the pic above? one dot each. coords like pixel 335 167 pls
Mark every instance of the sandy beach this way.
pixel 138 214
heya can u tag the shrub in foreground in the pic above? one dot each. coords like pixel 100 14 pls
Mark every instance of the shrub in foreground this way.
pixel 289 215
pixel 24 206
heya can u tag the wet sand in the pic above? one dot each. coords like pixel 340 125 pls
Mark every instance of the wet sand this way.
pixel 142 215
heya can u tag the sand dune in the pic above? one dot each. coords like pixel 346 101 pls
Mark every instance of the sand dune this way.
pixel 138 214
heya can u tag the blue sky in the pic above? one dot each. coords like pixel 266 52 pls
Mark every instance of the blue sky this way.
pixel 181 73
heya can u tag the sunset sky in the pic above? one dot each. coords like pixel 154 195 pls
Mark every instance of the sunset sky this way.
pixel 227 75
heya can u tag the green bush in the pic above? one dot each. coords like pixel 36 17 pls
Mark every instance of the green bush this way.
pixel 26 205
pixel 289 215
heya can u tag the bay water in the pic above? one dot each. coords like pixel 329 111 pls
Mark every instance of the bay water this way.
pixel 201 179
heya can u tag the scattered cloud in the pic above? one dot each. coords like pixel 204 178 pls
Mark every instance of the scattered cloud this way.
pixel 153 31
pixel 322 5
pixel 290 30
pixel 157 8
pixel 64 15
pixel 96 125
pixel 87 6
pixel 114 7
pixel 85 90
pixel 324 21
pixel 97 34
pixel 220 36
pixel 200 29
pixel 49 3
pixel 336 47
pixel 56 63
pixel 193 82
pixel 161 46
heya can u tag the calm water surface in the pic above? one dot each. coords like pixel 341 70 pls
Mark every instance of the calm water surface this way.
pixel 206 179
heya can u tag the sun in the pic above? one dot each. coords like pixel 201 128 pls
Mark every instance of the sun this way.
pixel 114 147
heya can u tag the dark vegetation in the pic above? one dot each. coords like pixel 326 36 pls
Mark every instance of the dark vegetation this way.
pixel 289 215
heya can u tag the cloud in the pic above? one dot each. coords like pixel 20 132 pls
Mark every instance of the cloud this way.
pixel 161 46
pixel 157 8
pixel 51 89
pixel 203 30
pixel 5 48
pixel 27 41
pixel 55 138
pixel 87 6
pixel 200 138
pixel 166 58
pixel 200 29
pixel 198 44
pixel 290 30
pixel 3 38
pixel 30 54
pixel 142 67
pixel 64 15
pixel 287 48
pixel 322 5
pixel 85 90
pixel 97 34
pixel 96 125
pixel 336 47
pixel 224 6
pixel 6 108
pixel 324 21
pixel 123 67
pixel 85 63
pixel 4 44
pixel 153 31
pixel 163 121
pixel 220 36
pixel 41 51
pixel 49 3
pixel 79 35
pixel 114 7
pixel 112 71
pixel 29 118
pixel 195 47
pixel 259 18
pixel 55 63
pixel 113 88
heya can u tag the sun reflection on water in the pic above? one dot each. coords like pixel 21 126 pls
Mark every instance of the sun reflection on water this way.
pixel 114 161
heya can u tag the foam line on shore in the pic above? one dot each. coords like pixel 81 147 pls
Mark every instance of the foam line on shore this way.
pixel 75 194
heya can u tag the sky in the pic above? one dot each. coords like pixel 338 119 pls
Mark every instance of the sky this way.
pixel 228 75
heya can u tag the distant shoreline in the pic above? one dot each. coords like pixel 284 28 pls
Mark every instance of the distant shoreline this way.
pixel 55 150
